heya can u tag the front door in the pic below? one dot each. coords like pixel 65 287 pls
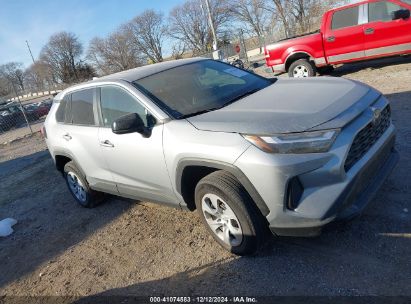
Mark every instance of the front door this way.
pixel 136 162
pixel 383 35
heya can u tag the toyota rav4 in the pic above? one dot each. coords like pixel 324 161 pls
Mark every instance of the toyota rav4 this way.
pixel 250 154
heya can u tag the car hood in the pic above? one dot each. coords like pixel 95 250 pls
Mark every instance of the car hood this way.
pixel 291 105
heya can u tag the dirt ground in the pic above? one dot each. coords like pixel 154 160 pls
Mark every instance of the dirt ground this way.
pixel 130 248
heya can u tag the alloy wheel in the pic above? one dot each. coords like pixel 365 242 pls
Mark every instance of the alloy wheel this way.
pixel 76 186
pixel 222 220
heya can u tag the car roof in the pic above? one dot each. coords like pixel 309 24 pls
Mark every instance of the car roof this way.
pixel 147 70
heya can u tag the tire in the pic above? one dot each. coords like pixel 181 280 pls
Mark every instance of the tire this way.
pixel 301 68
pixel 325 70
pixel 248 227
pixel 79 188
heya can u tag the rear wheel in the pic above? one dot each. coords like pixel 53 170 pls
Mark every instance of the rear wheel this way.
pixel 79 187
pixel 229 213
pixel 301 68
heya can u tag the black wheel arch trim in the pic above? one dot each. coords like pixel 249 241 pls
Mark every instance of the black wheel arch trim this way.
pixel 70 156
pixel 242 178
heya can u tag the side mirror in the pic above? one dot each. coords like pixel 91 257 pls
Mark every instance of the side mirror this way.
pixel 130 123
pixel 400 14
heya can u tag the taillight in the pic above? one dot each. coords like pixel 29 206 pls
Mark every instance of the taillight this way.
pixel 43 131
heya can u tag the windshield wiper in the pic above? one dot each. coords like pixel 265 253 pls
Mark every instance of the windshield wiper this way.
pixel 199 112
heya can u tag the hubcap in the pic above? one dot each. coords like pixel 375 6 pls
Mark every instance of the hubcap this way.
pixel 300 71
pixel 76 186
pixel 222 220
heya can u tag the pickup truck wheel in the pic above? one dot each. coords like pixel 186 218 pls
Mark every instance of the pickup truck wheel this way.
pixel 79 188
pixel 301 68
pixel 229 213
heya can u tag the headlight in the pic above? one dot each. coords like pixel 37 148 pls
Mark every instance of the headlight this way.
pixel 305 142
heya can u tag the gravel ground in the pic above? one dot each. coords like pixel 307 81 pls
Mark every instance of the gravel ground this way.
pixel 124 247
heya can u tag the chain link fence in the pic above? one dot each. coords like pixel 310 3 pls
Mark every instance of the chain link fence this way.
pixel 24 115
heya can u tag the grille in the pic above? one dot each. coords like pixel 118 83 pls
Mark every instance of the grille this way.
pixel 367 137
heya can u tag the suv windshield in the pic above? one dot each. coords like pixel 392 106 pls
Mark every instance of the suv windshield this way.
pixel 199 87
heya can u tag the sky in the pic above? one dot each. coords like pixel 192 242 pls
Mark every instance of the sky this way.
pixel 36 20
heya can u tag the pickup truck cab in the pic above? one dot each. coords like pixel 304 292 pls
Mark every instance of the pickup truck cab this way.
pixel 362 31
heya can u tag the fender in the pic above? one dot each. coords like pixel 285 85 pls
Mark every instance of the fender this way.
pixel 242 178
pixel 68 155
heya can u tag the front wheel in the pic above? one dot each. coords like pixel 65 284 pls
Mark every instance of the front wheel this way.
pixel 229 213
pixel 301 68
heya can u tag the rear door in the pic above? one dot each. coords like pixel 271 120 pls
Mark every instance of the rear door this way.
pixel 81 134
pixel 344 37
pixel 383 35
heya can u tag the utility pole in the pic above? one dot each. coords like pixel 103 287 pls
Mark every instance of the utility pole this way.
pixel 31 54
pixel 210 20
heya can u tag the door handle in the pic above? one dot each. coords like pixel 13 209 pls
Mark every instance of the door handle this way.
pixel 106 143
pixel 331 39
pixel 369 31
pixel 67 137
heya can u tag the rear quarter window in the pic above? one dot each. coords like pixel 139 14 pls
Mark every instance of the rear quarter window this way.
pixel 61 110
pixel 345 18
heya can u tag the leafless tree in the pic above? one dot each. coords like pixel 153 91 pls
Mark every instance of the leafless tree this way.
pixel 148 33
pixel 5 87
pixel 178 49
pixel 62 54
pixel 13 73
pixel 113 54
pixel 253 14
pixel 300 16
pixel 189 23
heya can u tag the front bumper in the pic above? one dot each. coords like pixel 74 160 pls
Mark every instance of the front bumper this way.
pixel 330 192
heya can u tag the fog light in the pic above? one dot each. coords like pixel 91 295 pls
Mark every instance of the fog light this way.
pixel 294 192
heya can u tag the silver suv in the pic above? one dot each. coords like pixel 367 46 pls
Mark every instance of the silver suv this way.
pixel 248 153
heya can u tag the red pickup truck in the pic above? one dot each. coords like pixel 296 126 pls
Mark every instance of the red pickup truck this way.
pixel 361 31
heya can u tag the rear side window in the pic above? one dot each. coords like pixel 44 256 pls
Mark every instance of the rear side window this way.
pixel 82 107
pixel 381 11
pixel 116 102
pixel 345 18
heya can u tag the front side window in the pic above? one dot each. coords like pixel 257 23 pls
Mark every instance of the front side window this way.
pixel 116 102
pixel 197 87
pixel 382 11
pixel 345 18
pixel 82 107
